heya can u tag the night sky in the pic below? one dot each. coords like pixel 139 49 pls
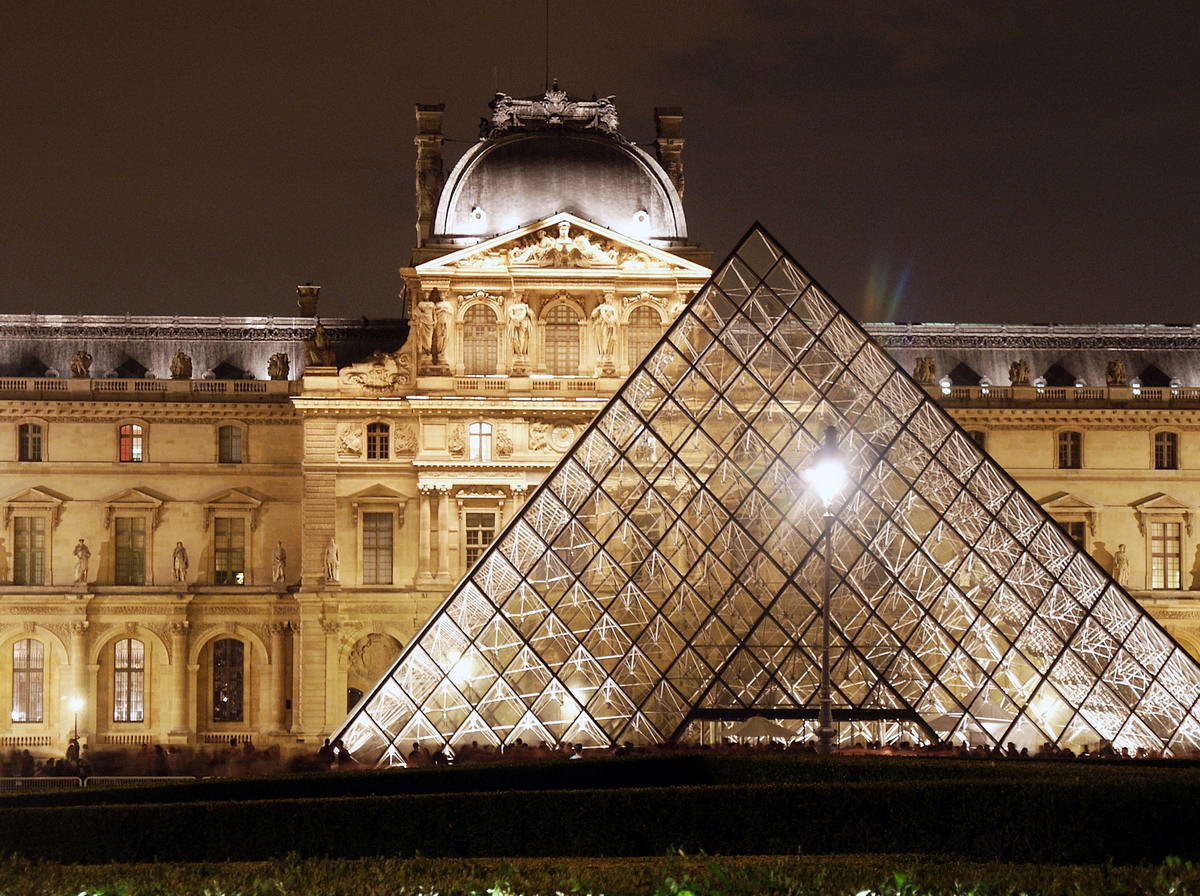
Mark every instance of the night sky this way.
pixel 957 160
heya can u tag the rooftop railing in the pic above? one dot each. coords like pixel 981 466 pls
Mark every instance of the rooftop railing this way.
pixel 1065 396
pixel 146 389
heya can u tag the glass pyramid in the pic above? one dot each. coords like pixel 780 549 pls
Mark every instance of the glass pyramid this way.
pixel 669 570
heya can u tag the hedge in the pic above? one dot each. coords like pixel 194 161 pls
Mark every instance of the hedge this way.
pixel 1123 819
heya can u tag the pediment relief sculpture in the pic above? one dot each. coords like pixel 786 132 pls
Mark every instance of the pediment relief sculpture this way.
pixel 562 246
pixel 381 372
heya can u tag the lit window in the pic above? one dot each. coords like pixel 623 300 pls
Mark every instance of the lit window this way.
pixel 229 444
pixel 129 680
pixel 229 551
pixel 1165 555
pixel 562 341
pixel 132 444
pixel 642 333
pixel 377 548
pixel 29 442
pixel 378 436
pixel 481 335
pixel 131 550
pixel 481 529
pixel 1166 451
pixel 979 437
pixel 27 679
pixel 479 441
pixel 29 550
pixel 1070 450
pixel 228 680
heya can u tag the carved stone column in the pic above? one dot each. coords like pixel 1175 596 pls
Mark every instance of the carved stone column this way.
pixel 423 538
pixel 668 143
pixel 179 678
pixel 443 532
pixel 79 676
pixel 275 710
pixel 430 175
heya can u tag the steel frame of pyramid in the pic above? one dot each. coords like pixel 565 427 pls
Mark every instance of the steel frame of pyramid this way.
pixel 669 569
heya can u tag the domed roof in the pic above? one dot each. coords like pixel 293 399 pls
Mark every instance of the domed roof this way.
pixel 554 154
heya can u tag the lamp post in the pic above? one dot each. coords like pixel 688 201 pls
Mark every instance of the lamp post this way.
pixel 76 706
pixel 827 477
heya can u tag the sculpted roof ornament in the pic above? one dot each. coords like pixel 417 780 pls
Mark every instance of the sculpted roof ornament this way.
pixel 553 110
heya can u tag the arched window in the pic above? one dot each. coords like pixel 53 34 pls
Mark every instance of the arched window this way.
pixel 562 341
pixel 1166 451
pixel 479 441
pixel 1070 450
pixel 29 442
pixel 28 678
pixel 378 439
pixel 131 443
pixel 228 676
pixel 480 340
pixel 641 334
pixel 129 680
pixel 229 444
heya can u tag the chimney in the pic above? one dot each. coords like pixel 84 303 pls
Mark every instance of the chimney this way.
pixel 430 176
pixel 306 298
pixel 668 143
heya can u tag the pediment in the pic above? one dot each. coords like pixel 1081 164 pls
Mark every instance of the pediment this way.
pixel 34 496
pixel 562 242
pixel 1160 502
pixel 378 492
pixel 134 497
pixel 1066 501
pixel 234 498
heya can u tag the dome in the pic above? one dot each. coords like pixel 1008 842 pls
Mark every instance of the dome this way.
pixel 506 181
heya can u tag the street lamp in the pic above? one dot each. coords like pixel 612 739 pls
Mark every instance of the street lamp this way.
pixel 76 705
pixel 827 477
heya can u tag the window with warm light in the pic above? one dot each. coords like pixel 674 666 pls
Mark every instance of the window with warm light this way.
pixel 562 341
pixel 228 678
pixel 1166 451
pixel 28 680
pixel 378 440
pixel 1070 450
pixel 131 443
pixel 229 550
pixel 29 550
pixel 481 335
pixel 641 334
pixel 29 442
pixel 1166 550
pixel 377 531
pixel 479 441
pixel 129 680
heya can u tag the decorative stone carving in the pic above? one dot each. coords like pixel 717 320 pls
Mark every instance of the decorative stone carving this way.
pixel 504 443
pixel 278 563
pixel 180 627
pixel 1121 567
pixel 422 324
pixel 1018 372
pixel 604 323
pixel 83 555
pixel 317 351
pixel 563 251
pixel 279 366
pixel 555 109
pixel 1114 373
pixel 349 440
pixel 81 365
pixel 333 560
pixel 561 436
pixel 925 371
pixel 442 319
pixel 181 367
pixel 381 372
pixel 457 443
pixel 179 562
pixel 405 440
pixel 539 436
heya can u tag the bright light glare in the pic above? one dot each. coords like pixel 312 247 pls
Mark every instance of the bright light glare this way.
pixel 76 704
pixel 827 477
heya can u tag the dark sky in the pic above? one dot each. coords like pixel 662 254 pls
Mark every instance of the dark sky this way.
pixel 927 160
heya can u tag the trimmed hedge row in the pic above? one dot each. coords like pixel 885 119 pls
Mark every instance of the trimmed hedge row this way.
pixel 1126 819
pixel 592 774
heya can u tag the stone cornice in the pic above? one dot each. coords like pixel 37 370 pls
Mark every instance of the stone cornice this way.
pixel 1042 417
pixel 1134 337
pixel 260 412
pixel 78 327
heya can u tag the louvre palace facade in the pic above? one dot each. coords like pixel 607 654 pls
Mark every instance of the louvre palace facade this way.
pixel 223 528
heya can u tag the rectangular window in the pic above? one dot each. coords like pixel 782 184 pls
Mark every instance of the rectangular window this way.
pixel 1070 450
pixel 131 444
pixel 129 680
pixel 29 550
pixel 377 548
pixel 131 550
pixel 229 442
pixel 1165 556
pixel 28 667
pixel 481 529
pixel 1166 451
pixel 229 551
pixel 1077 531
pixel 29 442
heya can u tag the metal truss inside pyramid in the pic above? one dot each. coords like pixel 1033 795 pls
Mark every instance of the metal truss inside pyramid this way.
pixel 669 570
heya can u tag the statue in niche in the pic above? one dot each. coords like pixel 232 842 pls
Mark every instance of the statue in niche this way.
pixel 81 365
pixel 181 367
pixel 1018 372
pixel 333 560
pixel 457 444
pixel 1114 373
pixel 539 436
pixel 406 440
pixel 179 562
pixel 423 327
pixel 519 325
pixel 82 556
pixel 1121 566
pixel 605 318
pixel 278 563
pixel 442 314
pixel 279 366
pixel 925 371
pixel 504 444
pixel 317 351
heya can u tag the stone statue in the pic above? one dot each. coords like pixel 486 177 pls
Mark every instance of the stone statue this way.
pixel 82 556
pixel 179 562
pixel 317 352
pixel 541 251
pixel 519 325
pixel 333 560
pixel 406 440
pixel 442 314
pixel 1121 567
pixel 1018 372
pixel 181 367
pixel 925 371
pixel 1114 373
pixel 539 436
pixel 423 327
pixel 604 320
pixel 278 562
pixel 279 366
pixel 81 365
